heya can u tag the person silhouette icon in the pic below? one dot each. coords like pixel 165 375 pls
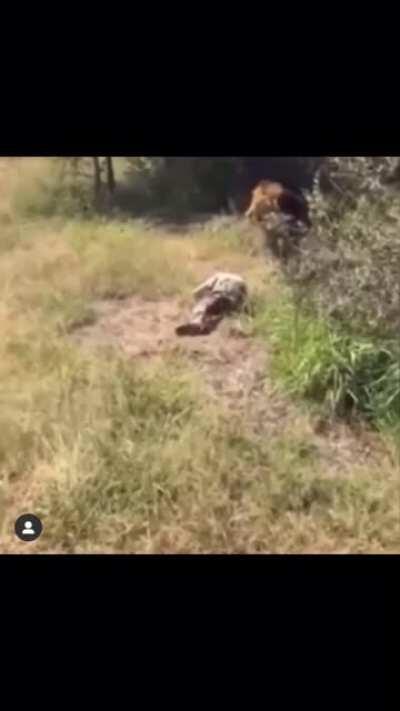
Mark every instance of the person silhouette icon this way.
pixel 28 530
pixel 28 527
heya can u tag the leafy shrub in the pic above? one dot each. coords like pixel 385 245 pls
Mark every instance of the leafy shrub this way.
pixel 350 269
pixel 338 338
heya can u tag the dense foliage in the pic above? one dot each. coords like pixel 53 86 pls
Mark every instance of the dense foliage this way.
pixel 346 288
pixel 179 184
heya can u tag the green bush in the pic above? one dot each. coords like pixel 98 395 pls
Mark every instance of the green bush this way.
pixel 181 184
pixel 346 373
pixel 337 335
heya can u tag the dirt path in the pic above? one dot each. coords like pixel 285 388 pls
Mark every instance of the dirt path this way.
pixel 234 369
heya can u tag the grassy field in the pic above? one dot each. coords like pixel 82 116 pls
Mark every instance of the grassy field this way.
pixel 124 455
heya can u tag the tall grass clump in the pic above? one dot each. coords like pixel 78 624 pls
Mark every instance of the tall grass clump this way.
pixel 348 374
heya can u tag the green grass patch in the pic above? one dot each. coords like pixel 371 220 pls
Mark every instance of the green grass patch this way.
pixel 342 371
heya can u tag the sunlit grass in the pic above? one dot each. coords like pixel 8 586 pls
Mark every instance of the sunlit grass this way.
pixel 118 457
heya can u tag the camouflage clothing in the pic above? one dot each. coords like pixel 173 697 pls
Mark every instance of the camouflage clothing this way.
pixel 216 297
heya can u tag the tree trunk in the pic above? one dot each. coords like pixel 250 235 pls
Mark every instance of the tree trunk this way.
pixel 110 175
pixel 75 166
pixel 97 182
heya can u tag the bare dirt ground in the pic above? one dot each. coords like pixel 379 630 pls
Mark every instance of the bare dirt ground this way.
pixel 234 370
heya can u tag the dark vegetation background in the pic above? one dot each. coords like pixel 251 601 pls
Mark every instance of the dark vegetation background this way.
pixel 171 186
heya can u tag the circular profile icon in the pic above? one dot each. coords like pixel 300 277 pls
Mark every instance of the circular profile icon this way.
pixel 28 527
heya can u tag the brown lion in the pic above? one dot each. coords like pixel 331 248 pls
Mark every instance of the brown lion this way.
pixel 269 197
pixel 281 236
